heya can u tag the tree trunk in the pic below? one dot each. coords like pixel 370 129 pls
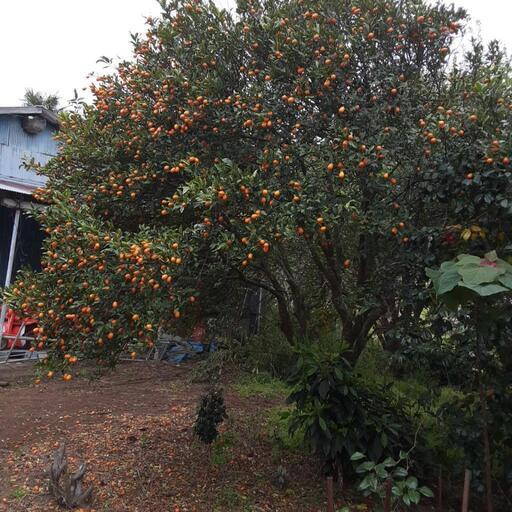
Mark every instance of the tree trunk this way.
pixel 356 333
pixel 302 316
pixel 285 320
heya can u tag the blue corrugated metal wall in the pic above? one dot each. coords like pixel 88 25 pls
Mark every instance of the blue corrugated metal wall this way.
pixel 15 145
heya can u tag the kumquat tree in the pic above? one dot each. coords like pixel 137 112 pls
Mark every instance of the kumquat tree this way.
pixel 326 147
pixel 325 153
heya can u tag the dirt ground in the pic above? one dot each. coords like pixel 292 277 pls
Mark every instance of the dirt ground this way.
pixel 133 427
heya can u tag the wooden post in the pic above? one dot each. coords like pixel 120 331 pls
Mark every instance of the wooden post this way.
pixel 10 265
pixel 485 429
pixel 330 495
pixel 488 470
pixel 440 491
pixel 387 497
pixel 465 492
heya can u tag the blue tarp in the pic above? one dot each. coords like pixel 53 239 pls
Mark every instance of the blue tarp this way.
pixel 186 350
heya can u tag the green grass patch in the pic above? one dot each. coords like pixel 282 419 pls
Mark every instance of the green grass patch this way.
pixel 261 384
pixel 19 493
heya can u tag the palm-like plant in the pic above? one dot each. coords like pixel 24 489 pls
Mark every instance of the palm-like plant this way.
pixel 48 101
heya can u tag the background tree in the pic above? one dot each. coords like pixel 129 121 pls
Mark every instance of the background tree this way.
pixel 313 149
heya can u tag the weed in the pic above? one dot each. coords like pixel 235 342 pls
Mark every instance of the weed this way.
pixel 277 427
pixel 19 493
pixel 222 449
pixel 227 498
pixel 261 384
pixel 144 441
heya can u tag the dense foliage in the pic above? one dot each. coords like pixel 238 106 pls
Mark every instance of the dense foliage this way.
pixel 211 412
pixel 325 151
pixel 340 414
pixel 405 488
pixel 293 144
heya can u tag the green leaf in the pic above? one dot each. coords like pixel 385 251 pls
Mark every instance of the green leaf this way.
pixel 506 280
pixel 448 281
pixel 389 462
pixel 485 290
pixel 400 473
pixel 434 275
pixel 365 466
pixel 412 482
pixel 504 265
pixel 414 496
pixel 323 389
pixel 357 456
pixel 381 472
pixel 447 266
pixel 480 274
pixel 466 259
pixel 366 482
pixel 426 492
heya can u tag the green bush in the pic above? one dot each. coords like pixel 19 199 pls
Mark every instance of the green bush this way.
pixel 210 414
pixel 405 490
pixel 340 414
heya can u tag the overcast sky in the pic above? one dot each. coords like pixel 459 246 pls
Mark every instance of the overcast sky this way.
pixel 51 45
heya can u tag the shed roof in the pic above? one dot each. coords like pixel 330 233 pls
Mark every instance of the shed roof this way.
pixel 50 116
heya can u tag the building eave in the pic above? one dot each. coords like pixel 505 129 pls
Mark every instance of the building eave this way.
pixel 50 116
pixel 20 188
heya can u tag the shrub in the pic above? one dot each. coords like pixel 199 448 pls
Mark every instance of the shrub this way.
pixel 405 489
pixel 210 414
pixel 340 415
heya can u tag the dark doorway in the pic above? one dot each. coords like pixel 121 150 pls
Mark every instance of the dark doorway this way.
pixel 29 242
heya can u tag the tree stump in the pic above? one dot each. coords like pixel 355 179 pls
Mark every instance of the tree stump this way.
pixel 67 489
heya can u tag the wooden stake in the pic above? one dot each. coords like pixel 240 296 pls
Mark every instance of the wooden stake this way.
pixel 465 492
pixel 330 495
pixel 485 431
pixel 387 498
pixel 488 470
pixel 440 491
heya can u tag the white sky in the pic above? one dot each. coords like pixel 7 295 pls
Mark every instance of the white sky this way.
pixel 51 45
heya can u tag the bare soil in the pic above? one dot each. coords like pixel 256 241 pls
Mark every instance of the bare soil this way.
pixel 133 427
